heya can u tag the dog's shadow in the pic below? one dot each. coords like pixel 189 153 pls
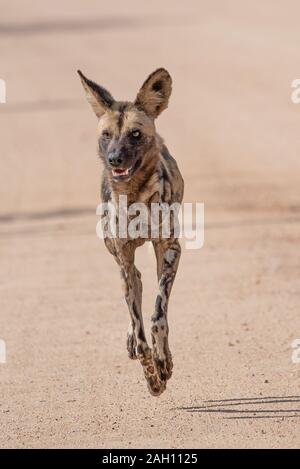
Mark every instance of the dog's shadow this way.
pixel 250 408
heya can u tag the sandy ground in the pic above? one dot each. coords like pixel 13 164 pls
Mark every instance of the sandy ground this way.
pixel 234 311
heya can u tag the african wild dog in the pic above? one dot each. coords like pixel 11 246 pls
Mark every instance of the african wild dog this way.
pixel 137 164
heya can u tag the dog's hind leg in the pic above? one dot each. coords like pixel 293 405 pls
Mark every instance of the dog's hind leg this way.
pixel 167 255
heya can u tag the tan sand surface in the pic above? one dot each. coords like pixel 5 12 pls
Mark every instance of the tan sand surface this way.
pixel 235 307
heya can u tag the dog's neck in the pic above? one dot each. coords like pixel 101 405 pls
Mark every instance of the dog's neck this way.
pixel 143 184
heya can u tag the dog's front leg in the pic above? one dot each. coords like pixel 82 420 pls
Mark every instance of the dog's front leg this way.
pixel 133 288
pixel 167 256
pixel 136 342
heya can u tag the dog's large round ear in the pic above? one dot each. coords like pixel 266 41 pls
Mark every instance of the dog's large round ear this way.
pixel 154 95
pixel 98 97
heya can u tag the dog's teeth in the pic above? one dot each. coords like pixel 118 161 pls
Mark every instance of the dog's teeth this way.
pixel 121 172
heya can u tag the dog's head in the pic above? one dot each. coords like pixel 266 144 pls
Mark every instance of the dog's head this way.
pixel 126 131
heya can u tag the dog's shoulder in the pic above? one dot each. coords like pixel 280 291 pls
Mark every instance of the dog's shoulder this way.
pixel 170 175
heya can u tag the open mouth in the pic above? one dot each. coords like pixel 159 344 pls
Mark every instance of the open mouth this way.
pixel 123 173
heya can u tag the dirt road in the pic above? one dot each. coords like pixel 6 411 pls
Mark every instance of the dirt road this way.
pixel 234 311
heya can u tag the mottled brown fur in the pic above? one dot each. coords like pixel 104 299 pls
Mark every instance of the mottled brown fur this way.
pixel 126 134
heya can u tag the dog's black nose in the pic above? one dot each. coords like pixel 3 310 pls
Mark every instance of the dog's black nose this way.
pixel 115 158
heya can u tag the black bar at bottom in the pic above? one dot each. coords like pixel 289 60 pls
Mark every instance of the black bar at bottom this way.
pixel 138 457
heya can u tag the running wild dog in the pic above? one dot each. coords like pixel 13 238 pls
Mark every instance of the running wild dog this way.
pixel 137 164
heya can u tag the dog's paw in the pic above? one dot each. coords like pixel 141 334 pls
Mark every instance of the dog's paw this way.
pixel 155 386
pixel 162 357
pixel 131 346
pixel 164 366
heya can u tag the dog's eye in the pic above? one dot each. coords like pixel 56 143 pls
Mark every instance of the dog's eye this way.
pixel 106 134
pixel 136 133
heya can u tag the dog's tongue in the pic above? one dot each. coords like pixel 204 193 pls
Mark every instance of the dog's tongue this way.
pixel 119 171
